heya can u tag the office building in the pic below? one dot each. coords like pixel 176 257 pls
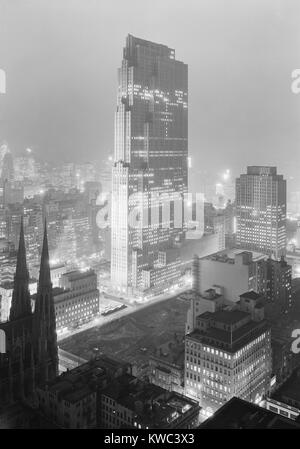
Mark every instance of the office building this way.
pixel 221 278
pixel 8 259
pixel 76 300
pixel 234 271
pixel 229 354
pixel 261 211
pixel 279 285
pixel 7 173
pixel 150 164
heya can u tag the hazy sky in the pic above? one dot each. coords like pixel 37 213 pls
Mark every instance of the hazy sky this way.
pixel 61 59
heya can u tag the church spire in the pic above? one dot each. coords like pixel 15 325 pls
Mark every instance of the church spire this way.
pixel 21 305
pixel 45 276
pixel 45 321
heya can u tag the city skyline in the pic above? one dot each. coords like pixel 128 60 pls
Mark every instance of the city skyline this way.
pixel 260 129
pixel 149 257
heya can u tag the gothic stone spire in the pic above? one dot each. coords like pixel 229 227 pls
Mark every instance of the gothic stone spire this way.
pixel 21 305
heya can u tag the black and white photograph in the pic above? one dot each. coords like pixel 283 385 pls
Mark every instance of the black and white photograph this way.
pixel 149 217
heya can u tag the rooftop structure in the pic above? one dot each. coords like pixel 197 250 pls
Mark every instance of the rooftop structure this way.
pixel 239 414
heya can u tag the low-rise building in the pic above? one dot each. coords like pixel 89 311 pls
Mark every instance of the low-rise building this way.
pixel 56 271
pixel 219 279
pixel 77 300
pixel 166 367
pixel 131 403
pixel 67 361
pixel 234 271
pixel 72 400
pixel 286 399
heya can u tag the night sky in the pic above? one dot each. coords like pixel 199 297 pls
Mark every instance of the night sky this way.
pixel 61 59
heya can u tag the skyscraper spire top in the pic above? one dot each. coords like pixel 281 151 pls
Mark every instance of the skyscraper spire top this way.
pixel 21 305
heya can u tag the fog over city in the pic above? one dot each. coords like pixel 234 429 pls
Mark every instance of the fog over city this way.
pixel 149 217
pixel 61 59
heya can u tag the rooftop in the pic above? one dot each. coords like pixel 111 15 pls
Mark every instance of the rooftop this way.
pixel 76 274
pixel 229 317
pixel 289 390
pixel 227 339
pixel 154 406
pixel 8 285
pixel 84 380
pixel 228 255
pixel 239 414
pixel 251 295
pixel 210 294
pixel 171 352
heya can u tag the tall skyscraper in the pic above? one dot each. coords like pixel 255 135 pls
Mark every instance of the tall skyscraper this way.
pixel 150 166
pixel 261 211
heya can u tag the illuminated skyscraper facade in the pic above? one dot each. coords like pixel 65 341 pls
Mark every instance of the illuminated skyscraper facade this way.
pixel 150 164
pixel 228 354
pixel 261 211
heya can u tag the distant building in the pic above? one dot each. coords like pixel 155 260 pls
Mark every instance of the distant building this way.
pixel 7 173
pixel 209 243
pixel 57 270
pixel 6 293
pixel 233 271
pixel 8 260
pixel 13 192
pixel 261 211
pixel 282 357
pixel 92 190
pixel 221 278
pixel 26 167
pixel 219 225
pixel 279 285
pixel 77 299
pixel 221 221
pixel 104 171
